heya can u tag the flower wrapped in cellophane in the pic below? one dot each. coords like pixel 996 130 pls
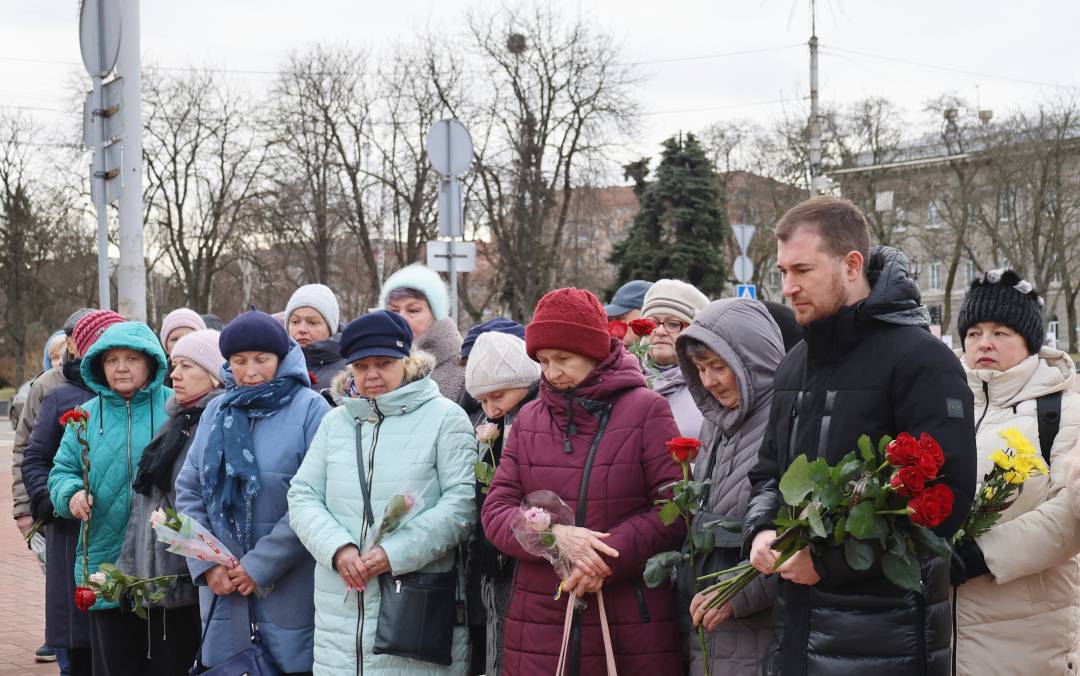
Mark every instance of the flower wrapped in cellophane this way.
pixel 539 512
pixel 187 537
pixel 401 508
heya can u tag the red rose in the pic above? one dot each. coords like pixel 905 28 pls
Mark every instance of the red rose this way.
pixel 908 481
pixel 643 327
pixel 931 507
pixel 683 449
pixel 903 451
pixel 617 328
pixel 930 456
pixel 75 415
pixel 84 598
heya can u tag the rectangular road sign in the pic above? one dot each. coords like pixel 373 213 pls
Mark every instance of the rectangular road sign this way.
pixel 438 256
pixel 746 291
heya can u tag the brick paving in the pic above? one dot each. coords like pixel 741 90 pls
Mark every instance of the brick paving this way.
pixel 22 585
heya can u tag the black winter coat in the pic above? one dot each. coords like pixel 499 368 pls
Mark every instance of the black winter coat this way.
pixel 324 361
pixel 65 625
pixel 874 369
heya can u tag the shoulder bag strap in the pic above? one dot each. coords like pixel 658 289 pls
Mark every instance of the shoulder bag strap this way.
pixel 368 516
pixel 567 623
pixel 709 468
pixel 609 652
pixel 1049 413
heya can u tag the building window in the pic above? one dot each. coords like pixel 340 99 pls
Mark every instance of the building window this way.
pixel 935 275
pixel 773 280
pixel 1006 205
pixel 933 215
pixel 969 271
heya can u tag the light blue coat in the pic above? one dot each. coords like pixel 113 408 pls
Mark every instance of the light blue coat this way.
pixel 424 439
pixel 276 561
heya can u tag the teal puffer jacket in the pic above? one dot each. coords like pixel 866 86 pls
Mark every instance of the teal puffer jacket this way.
pixel 117 432
pixel 414 441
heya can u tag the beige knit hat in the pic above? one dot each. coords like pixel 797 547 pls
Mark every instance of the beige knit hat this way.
pixel 498 361
pixel 201 347
pixel 676 298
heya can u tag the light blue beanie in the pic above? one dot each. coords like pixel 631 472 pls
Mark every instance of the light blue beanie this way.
pixel 426 281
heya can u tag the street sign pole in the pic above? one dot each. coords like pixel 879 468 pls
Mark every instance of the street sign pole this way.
pixel 100 203
pixel 131 273
pixel 450 152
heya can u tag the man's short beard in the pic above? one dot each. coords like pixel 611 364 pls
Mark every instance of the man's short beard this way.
pixel 831 304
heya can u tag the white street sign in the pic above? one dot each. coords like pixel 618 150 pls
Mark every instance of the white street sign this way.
pixel 449 148
pixel 99 35
pixel 744 269
pixel 438 255
pixel 450 209
pixel 114 122
pixel 743 234
pixel 114 181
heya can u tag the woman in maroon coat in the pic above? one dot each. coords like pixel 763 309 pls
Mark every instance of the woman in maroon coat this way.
pixel 596 437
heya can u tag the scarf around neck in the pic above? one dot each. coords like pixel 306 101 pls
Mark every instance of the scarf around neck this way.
pixel 230 472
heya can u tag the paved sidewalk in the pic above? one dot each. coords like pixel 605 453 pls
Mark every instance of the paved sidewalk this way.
pixel 22 585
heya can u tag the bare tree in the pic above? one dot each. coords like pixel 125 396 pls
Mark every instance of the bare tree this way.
pixel 556 96
pixel 206 167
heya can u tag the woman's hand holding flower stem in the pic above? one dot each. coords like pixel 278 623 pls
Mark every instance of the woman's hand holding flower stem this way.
pixel 357 570
pixel 241 580
pixel 217 578
pixel 583 547
pixel 80 506
pixel 581 583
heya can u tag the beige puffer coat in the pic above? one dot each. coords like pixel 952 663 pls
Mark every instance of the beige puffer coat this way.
pixel 1024 618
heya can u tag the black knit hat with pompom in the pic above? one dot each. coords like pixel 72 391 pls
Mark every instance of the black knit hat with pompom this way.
pixel 1002 297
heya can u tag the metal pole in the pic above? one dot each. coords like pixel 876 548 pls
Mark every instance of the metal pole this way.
pixel 815 122
pixel 100 198
pixel 450 246
pixel 131 274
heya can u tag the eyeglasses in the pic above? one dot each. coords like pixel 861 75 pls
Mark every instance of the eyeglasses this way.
pixel 673 325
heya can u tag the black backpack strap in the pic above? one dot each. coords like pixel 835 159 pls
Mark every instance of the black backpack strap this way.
pixel 1049 413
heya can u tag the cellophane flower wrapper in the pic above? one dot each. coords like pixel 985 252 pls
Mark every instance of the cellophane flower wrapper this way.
pixel 538 512
pixel 400 509
pixel 194 541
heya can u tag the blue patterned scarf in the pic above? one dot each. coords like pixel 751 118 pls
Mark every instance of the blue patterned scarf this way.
pixel 230 472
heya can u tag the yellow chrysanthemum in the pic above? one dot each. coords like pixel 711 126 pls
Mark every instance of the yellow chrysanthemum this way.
pixel 1015 477
pixel 1017 441
pixel 988 492
pixel 1002 459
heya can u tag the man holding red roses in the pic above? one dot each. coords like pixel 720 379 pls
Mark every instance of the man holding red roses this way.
pixel 868 365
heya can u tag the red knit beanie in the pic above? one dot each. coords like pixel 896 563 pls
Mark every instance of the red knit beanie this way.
pixel 571 320
pixel 90 328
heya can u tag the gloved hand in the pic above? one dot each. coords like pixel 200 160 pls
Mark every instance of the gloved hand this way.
pixel 967 562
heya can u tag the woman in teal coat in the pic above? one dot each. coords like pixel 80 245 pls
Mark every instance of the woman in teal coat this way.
pixel 125 368
pixel 413 441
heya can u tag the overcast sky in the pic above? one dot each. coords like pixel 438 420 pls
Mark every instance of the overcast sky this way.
pixel 1011 52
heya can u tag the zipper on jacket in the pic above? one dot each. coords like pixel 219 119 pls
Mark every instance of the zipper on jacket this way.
pixel 129 478
pixel 370 476
pixel 643 606
pixel 955 630
pixel 986 406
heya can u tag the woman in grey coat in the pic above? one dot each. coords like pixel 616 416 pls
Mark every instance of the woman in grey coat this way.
pixel 728 357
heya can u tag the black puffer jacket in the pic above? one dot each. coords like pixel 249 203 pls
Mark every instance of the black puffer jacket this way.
pixel 874 369
pixel 65 625
pixel 324 361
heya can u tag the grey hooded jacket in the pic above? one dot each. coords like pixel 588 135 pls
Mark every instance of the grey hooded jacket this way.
pixel 743 334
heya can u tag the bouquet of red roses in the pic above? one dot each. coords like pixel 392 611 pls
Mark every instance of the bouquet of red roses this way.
pixel 878 504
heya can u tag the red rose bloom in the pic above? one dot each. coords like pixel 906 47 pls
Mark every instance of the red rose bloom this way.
pixel 75 415
pixel 931 507
pixel 930 456
pixel 643 327
pixel 617 328
pixel 903 451
pixel 84 598
pixel 908 481
pixel 683 449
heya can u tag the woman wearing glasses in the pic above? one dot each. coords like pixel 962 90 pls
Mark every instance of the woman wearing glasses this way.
pixel 673 304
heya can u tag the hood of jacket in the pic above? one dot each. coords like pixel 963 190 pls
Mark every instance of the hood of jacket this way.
pixel 131 336
pixel 292 366
pixel 443 340
pixel 322 352
pixel 417 390
pixel 746 337
pixel 418 365
pixel 894 295
pixel 1049 371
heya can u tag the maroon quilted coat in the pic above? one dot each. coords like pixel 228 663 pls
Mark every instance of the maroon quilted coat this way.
pixel 617 432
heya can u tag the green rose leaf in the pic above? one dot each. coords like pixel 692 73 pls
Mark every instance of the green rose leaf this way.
pixel 704 540
pixel 798 481
pixel 863 523
pixel 859 554
pixel 669 513
pixel 927 541
pixel 883 443
pixel 813 516
pixel 866 448
pixel 902 571
pixel 659 566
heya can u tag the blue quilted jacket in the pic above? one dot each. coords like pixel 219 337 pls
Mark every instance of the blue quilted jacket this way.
pixel 117 432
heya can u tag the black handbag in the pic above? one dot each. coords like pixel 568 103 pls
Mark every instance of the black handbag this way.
pixel 417 611
pixel 254 661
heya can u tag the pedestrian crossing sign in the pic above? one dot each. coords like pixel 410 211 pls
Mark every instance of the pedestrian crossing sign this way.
pixel 746 291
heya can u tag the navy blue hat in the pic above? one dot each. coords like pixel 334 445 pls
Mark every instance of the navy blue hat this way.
pixel 498 324
pixel 377 334
pixel 254 331
pixel 630 296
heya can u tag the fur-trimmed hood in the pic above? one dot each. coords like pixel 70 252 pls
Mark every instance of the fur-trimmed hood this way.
pixel 418 365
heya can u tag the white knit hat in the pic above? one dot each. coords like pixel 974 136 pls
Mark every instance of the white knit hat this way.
pixel 498 361
pixel 676 298
pixel 319 297
pixel 202 348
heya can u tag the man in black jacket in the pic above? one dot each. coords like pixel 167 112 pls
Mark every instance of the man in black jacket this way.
pixel 868 365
